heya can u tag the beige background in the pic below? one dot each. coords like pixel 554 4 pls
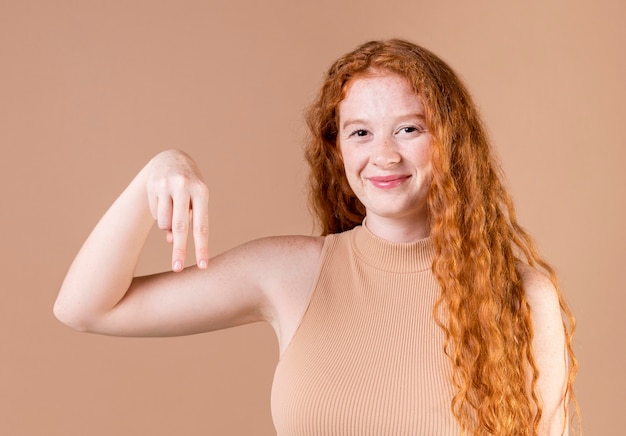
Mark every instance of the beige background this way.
pixel 89 91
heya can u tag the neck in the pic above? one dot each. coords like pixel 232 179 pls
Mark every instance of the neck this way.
pixel 400 231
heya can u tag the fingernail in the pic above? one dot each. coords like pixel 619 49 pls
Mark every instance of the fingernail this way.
pixel 203 264
pixel 177 265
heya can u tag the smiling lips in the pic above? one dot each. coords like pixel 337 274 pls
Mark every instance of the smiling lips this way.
pixel 388 182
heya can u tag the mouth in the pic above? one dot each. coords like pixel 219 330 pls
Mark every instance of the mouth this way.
pixel 388 182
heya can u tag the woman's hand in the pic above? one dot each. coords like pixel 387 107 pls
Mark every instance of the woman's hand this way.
pixel 178 200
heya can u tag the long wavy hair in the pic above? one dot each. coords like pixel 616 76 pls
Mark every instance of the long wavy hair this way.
pixel 478 241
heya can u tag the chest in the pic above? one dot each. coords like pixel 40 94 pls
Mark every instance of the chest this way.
pixel 367 358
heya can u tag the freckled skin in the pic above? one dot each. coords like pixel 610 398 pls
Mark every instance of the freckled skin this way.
pixel 386 150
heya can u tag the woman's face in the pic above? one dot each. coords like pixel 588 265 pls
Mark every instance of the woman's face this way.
pixel 386 148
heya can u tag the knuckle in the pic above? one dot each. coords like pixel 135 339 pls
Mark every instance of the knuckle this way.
pixel 180 226
pixel 168 183
pixel 179 181
pixel 201 229
pixel 158 186
pixel 161 183
pixel 201 189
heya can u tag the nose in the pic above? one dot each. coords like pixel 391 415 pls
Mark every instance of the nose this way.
pixel 385 153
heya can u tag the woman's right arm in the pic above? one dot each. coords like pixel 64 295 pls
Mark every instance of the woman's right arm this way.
pixel 268 279
pixel 103 270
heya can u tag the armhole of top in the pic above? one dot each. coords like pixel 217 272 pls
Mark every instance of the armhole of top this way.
pixel 329 241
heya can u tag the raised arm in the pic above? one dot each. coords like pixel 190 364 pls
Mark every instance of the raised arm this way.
pixel 268 279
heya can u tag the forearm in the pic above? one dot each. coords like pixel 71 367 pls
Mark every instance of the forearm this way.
pixel 103 269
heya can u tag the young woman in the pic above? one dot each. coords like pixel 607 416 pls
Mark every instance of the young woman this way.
pixel 423 308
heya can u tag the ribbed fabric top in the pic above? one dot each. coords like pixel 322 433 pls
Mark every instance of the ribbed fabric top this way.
pixel 367 357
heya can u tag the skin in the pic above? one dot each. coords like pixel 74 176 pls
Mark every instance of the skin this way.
pixel 386 151
pixel 386 148
pixel 548 349
pixel 264 280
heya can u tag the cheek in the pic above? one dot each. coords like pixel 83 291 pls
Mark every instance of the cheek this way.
pixel 423 158
pixel 343 166
pixel 349 160
pixel 351 171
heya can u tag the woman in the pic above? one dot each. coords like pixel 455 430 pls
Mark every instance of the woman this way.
pixel 422 308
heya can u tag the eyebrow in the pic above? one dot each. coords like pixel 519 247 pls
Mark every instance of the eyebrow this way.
pixel 350 122
pixel 418 116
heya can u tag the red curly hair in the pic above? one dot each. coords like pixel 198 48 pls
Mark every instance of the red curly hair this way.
pixel 478 241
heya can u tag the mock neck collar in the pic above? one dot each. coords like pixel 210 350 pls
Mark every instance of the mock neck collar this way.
pixel 392 256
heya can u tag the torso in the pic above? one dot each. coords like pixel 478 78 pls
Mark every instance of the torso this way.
pixel 367 356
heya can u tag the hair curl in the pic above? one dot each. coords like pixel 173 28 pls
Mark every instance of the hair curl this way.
pixel 478 241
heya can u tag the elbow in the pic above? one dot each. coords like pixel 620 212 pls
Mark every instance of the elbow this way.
pixel 69 317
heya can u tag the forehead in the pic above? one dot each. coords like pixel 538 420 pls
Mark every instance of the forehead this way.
pixel 380 93
pixel 377 76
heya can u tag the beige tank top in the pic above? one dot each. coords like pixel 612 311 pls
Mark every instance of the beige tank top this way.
pixel 367 357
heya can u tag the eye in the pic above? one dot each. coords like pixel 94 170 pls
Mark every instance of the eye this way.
pixel 359 132
pixel 409 129
pixel 412 130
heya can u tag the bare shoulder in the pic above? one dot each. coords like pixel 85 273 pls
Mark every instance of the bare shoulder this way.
pixel 293 251
pixel 287 272
pixel 539 291
pixel 543 299
pixel 275 264
pixel 292 244
pixel 296 257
